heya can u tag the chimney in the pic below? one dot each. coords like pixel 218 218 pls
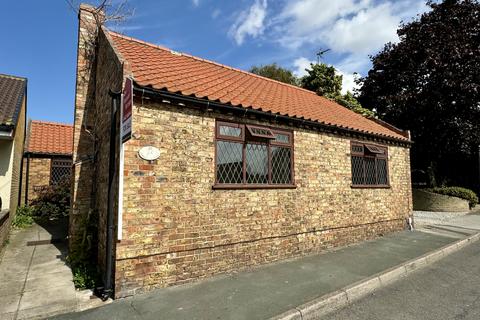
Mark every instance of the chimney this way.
pixel 89 21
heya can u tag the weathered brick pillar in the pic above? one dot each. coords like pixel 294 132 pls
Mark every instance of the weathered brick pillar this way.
pixel 83 137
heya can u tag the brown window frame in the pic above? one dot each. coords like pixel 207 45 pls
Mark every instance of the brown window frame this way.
pixel 269 134
pixel 246 137
pixel 370 151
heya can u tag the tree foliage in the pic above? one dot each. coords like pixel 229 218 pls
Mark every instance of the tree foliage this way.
pixel 349 101
pixel 323 79
pixel 326 81
pixel 429 83
pixel 275 72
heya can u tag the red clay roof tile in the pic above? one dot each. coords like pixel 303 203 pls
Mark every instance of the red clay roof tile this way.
pixel 164 69
pixel 50 138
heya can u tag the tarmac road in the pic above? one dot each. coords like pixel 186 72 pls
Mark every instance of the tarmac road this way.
pixel 447 289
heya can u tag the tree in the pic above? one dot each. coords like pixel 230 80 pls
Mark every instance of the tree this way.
pixel 323 79
pixel 349 101
pixel 275 72
pixel 429 83
pixel 326 81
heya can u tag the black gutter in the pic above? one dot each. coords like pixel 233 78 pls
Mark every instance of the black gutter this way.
pixel 244 111
pixel 112 170
pixel 24 139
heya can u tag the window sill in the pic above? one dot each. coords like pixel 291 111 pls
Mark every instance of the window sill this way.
pixel 357 186
pixel 252 186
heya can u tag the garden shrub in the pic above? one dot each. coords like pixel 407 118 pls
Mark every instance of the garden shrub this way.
pixel 23 217
pixel 85 275
pixel 53 202
pixel 458 192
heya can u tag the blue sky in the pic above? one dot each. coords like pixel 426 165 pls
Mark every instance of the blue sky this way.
pixel 38 38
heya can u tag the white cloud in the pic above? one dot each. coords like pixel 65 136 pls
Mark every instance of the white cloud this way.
pixel 300 65
pixel 308 21
pixel 250 22
pixel 345 26
pixel 196 3
pixel 365 32
pixel 348 81
pixel 352 29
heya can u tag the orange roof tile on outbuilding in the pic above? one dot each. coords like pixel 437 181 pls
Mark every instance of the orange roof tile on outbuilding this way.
pixel 49 138
pixel 163 69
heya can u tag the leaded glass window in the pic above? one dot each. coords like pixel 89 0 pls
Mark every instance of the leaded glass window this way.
pixel 369 165
pixel 60 169
pixel 248 155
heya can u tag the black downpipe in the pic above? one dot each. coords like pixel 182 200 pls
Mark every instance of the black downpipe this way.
pixel 112 171
pixel 24 140
pixel 27 178
pixel 19 202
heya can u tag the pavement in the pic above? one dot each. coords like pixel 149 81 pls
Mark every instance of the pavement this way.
pixel 35 280
pixel 284 287
pixel 36 283
pixel 447 289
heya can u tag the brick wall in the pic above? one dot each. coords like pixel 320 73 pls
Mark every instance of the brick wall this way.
pixel 18 144
pixel 83 138
pixel 109 77
pixel 177 229
pixel 39 176
pixel 96 76
pixel 14 184
pixel 5 223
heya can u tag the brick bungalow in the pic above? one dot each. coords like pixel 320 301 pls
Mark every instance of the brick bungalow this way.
pixel 250 170
pixel 47 157
pixel 13 104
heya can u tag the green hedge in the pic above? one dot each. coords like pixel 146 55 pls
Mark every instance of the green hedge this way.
pixel 458 192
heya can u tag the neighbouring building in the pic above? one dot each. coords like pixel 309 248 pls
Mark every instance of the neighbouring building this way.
pixel 13 104
pixel 224 169
pixel 47 158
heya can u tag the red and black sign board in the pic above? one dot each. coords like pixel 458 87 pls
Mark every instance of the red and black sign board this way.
pixel 127 110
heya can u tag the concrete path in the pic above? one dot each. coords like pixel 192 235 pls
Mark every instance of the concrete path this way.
pixel 35 281
pixel 457 226
pixel 274 289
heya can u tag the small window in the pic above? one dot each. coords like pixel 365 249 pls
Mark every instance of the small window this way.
pixel 60 169
pixel 369 165
pixel 374 149
pixel 282 138
pixel 260 132
pixel 230 130
pixel 262 158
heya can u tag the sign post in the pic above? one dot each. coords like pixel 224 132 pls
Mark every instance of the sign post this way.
pixel 125 135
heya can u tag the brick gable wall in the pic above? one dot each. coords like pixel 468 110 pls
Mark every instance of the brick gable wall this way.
pixel 96 76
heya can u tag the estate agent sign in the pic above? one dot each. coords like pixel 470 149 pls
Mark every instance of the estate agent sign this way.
pixel 127 110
